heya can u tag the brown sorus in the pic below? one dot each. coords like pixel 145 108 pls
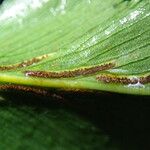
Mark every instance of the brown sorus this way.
pixel 145 80
pixel 123 80
pixel 68 74
pixel 34 90
pixel 23 64
pixel 23 88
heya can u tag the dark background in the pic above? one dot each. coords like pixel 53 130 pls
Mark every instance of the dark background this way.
pixel 1 1
pixel 124 118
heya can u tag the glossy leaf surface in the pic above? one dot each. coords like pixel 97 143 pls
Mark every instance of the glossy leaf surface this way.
pixel 86 44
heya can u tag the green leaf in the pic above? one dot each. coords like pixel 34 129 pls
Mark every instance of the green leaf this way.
pixel 86 44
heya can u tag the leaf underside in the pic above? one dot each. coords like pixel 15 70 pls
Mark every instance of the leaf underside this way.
pixel 86 44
